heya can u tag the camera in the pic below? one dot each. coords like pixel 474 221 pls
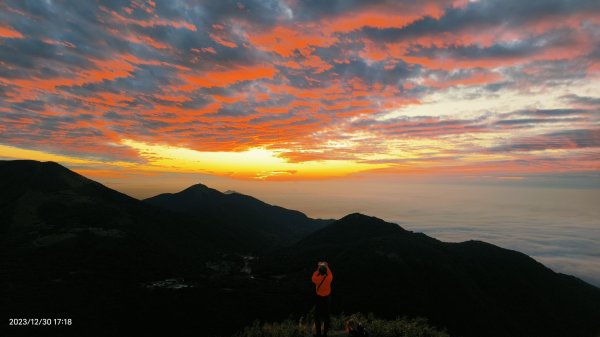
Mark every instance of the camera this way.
pixel 322 268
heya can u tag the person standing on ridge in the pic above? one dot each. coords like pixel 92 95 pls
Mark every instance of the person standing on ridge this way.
pixel 322 279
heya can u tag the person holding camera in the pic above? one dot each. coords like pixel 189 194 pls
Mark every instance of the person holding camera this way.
pixel 322 279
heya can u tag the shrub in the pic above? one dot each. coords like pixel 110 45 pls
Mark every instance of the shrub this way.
pixel 287 328
pixel 400 327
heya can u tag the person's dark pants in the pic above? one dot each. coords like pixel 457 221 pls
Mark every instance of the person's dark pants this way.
pixel 322 314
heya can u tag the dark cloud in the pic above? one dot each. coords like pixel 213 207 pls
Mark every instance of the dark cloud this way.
pixel 582 138
pixel 553 112
pixel 29 105
pixel 537 121
pixel 569 139
pixel 484 14
pixel 502 50
pixel 261 12
pixel 421 126
pixel 234 110
pixel 375 72
pixel 314 9
pixel 583 100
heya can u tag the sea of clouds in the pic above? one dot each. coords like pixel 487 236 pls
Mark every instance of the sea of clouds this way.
pixel 559 227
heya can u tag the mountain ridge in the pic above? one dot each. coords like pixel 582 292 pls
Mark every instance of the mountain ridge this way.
pixel 468 287
pixel 269 225
pixel 70 238
pixel 355 226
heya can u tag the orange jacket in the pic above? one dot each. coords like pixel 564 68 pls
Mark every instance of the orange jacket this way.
pixel 325 288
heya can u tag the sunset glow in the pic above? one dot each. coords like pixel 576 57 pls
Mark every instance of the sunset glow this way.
pixel 295 90
pixel 255 163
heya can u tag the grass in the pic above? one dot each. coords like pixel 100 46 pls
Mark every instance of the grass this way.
pixel 376 327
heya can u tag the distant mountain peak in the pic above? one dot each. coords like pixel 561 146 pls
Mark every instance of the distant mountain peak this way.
pixel 29 164
pixel 231 192
pixel 365 220
pixel 261 225
pixel 356 216
pixel 200 189
pixel 199 186
pixel 354 227
pixel 38 175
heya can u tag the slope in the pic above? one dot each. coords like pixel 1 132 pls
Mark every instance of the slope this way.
pixel 267 225
pixel 469 288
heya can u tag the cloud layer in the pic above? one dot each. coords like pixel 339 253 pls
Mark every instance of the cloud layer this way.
pixel 394 86
pixel 558 227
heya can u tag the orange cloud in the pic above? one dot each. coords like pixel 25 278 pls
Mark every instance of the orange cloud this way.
pixel 228 77
pixel 219 35
pixel 9 33
pixel 286 41
pixel 377 16
pixel 151 22
pixel 29 88
pixel 110 99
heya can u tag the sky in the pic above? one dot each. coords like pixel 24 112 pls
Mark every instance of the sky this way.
pixel 462 119
pixel 303 90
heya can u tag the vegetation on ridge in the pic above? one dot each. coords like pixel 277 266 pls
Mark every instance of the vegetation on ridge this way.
pixel 376 327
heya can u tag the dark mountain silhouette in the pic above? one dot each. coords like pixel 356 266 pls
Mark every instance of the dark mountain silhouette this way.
pixel 267 225
pixel 70 246
pixel 73 248
pixel 45 204
pixel 472 288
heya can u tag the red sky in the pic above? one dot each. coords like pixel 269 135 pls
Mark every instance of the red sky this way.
pixel 296 90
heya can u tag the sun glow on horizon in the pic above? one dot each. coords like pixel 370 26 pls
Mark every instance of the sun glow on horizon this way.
pixel 254 163
pixel 12 152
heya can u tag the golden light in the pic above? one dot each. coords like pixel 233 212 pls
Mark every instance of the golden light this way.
pixel 19 153
pixel 254 163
